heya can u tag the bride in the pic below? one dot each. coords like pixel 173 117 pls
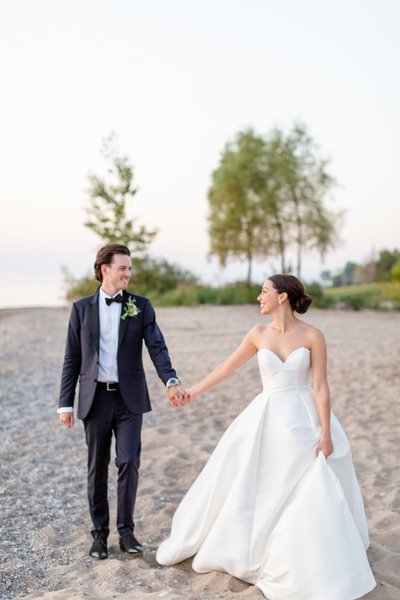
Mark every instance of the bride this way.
pixel 278 504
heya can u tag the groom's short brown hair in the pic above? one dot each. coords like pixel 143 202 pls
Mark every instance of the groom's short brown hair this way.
pixel 105 256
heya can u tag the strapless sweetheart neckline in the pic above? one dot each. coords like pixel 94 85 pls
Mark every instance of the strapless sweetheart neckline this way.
pixel 289 355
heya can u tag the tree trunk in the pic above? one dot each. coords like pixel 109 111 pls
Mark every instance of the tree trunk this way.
pixel 249 267
pixel 249 252
pixel 282 250
pixel 298 268
pixel 281 244
pixel 299 236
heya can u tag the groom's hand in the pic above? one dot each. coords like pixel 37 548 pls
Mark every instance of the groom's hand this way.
pixel 177 396
pixel 67 419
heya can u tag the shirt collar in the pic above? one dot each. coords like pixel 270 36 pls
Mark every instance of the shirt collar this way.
pixel 104 295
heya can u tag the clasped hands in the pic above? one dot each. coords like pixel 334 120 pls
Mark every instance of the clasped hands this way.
pixel 177 396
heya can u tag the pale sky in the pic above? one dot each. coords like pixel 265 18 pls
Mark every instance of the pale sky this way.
pixel 176 80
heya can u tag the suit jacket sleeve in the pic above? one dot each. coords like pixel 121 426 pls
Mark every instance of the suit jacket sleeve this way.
pixel 156 346
pixel 72 360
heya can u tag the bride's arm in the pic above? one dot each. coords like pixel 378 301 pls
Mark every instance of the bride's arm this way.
pixel 321 390
pixel 246 350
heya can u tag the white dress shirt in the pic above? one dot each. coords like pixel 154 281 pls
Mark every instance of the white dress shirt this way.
pixel 110 317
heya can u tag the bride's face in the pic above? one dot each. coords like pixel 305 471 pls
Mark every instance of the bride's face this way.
pixel 269 298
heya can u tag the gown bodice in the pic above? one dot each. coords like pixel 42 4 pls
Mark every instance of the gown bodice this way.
pixel 282 376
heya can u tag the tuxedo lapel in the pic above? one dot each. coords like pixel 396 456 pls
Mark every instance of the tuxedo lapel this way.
pixel 94 320
pixel 123 323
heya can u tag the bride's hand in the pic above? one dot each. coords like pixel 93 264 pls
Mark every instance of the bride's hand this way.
pixel 325 446
pixel 192 395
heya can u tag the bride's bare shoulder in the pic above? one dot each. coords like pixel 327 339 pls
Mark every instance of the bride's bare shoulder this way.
pixel 258 332
pixel 313 333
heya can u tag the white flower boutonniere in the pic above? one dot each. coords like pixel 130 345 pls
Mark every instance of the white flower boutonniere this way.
pixel 131 310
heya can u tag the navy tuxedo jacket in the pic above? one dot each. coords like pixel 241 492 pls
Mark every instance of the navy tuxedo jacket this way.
pixel 81 359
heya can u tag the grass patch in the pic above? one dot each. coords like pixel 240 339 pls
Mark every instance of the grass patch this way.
pixel 378 295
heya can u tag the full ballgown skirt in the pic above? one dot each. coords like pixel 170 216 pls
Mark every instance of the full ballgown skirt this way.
pixel 266 510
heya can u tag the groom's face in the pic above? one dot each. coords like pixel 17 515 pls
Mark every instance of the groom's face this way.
pixel 117 274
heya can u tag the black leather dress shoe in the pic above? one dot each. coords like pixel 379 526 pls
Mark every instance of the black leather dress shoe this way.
pixel 99 549
pixel 128 543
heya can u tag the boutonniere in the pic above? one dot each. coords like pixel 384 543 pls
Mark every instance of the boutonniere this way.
pixel 131 310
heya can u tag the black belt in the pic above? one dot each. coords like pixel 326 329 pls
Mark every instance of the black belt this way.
pixel 109 386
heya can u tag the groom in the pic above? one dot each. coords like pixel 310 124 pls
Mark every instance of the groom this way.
pixel 104 350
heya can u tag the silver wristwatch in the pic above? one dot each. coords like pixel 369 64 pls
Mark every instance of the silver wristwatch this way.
pixel 172 381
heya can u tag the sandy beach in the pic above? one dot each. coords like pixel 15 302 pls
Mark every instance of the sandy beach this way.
pixel 44 521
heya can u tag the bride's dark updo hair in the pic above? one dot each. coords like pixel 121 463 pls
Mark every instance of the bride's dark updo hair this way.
pixel 299 300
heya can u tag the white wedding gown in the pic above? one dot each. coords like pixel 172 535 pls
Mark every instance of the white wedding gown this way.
pixel 266 510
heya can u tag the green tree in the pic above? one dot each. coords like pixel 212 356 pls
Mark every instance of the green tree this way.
pixel 108 218
pixel 326 277
pixel 348 273
pixel 269 194
pixel 386 260
pixel 108 209
pixel 305 186
pixel 337 280
pixel 274 198
pixel 395 271
pixel 239 225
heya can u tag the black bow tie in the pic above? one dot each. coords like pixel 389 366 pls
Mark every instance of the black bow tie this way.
pixel 118 299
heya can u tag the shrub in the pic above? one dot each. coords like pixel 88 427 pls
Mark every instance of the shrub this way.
pixel 151 277
pixel 182 295
pixel 156 276
pixel 357 301
pixel 237 293
pixel 319 298
pixel 395 271
pixel 79 288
